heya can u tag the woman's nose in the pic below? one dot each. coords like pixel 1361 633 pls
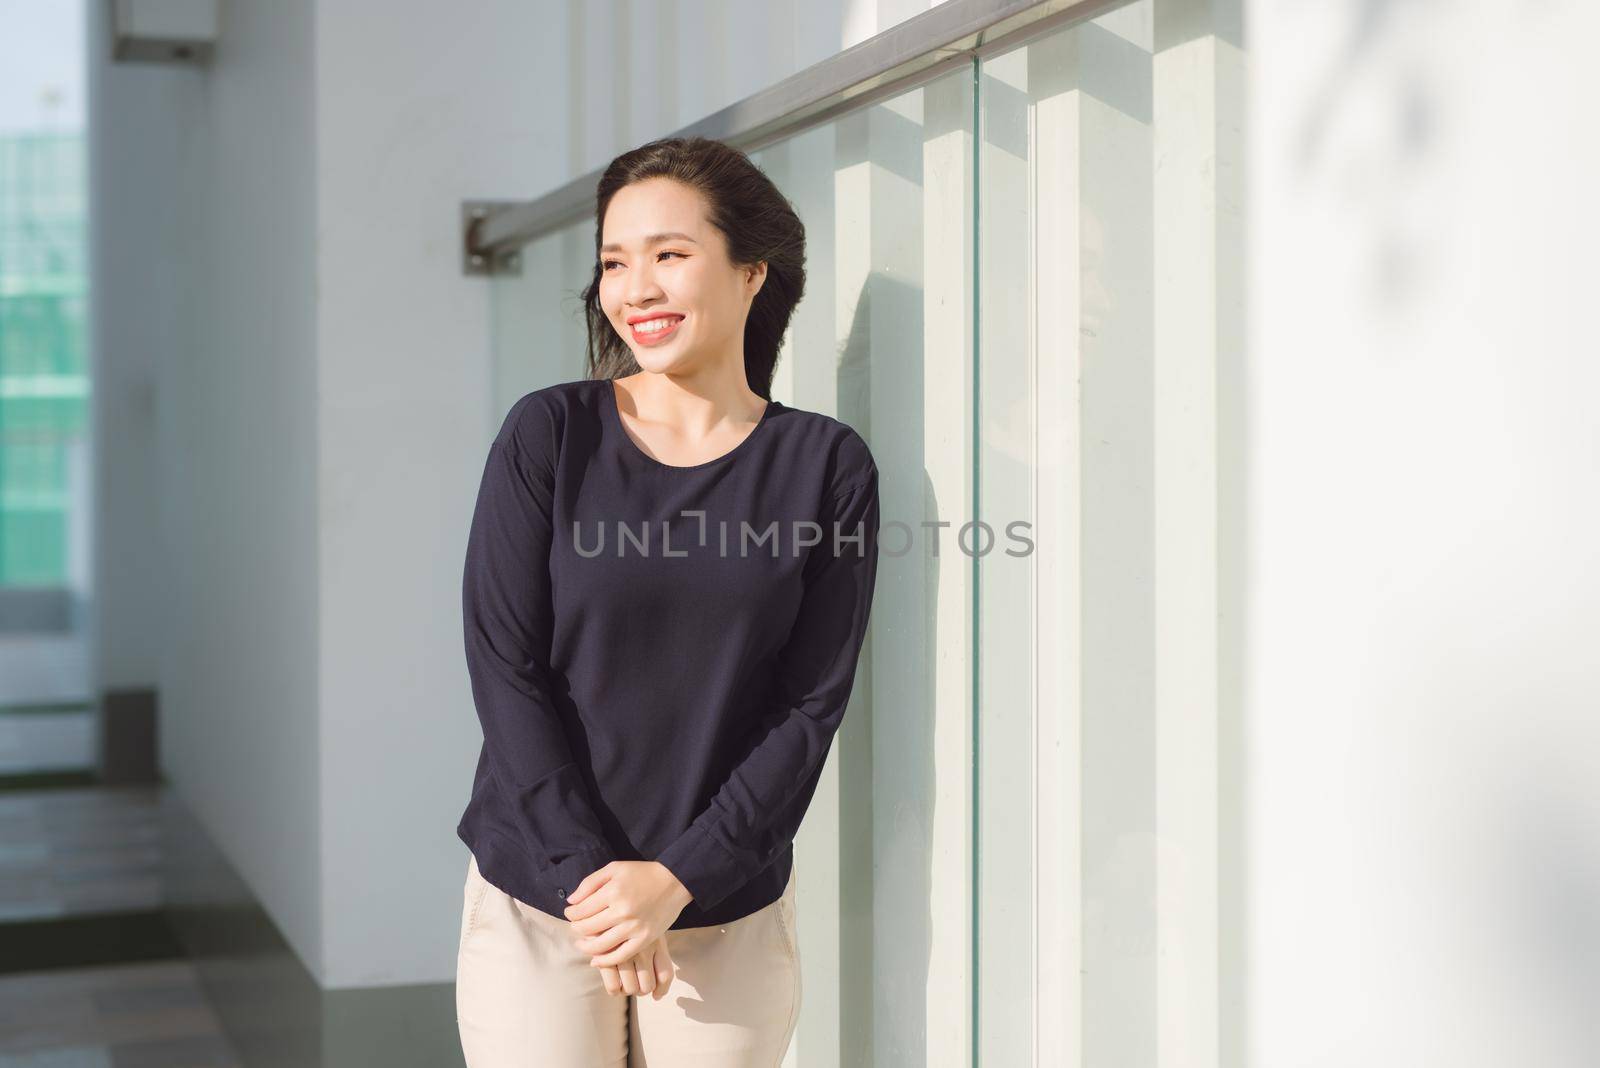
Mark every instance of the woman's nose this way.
pixel 639 295
pixel 641 286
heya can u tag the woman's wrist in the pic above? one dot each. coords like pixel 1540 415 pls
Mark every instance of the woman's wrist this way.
pixel 681 897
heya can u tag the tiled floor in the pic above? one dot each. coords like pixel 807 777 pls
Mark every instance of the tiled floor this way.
pixel 127 1016
pixel 69 851
pixel 76 852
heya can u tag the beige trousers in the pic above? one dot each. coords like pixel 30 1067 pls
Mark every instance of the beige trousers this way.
pixel 527 997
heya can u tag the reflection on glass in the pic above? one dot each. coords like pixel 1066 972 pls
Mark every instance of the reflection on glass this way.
pixel 1104 263
pixel 883 341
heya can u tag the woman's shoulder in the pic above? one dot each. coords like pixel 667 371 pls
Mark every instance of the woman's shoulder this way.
pixel 535 421
pixel 559 397
pixel 832 441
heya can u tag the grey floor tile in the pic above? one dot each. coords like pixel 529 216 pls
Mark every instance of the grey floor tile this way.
pixel 73 1057
pixel 200 1051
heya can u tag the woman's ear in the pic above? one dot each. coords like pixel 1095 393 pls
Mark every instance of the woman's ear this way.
pixel 755 276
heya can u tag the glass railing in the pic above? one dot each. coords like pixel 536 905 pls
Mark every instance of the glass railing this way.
pixel 1023 288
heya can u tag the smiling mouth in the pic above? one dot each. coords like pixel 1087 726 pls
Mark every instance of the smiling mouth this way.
pixel 652 330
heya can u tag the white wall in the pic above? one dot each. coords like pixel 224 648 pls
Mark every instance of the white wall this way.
pixel 206 276
pixel 1423 535
pixel 420 106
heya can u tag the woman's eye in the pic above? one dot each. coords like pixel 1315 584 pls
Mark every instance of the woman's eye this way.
pixel 605 265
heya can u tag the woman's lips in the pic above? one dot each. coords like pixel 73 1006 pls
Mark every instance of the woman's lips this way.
pixel 654 337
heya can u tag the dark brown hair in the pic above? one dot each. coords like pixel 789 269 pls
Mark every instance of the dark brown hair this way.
pixel 757 223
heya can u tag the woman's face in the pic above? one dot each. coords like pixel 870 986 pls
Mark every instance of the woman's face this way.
pixel 660 259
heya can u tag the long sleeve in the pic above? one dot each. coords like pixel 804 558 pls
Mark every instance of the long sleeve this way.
pixel 507 615
pixel 758 810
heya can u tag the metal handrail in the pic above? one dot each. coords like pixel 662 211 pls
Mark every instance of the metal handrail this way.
pixel 917 50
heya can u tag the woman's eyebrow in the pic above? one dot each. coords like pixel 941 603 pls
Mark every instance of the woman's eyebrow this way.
pixel 653 239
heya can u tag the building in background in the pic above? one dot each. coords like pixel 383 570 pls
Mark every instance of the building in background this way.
pixel 44 375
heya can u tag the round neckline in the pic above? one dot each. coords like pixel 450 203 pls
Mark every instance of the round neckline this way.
pixel 614 412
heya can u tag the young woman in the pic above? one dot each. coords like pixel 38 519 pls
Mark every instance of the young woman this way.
pixel 667 586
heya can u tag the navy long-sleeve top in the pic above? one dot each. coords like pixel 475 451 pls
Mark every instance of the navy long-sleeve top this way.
pixel 660 656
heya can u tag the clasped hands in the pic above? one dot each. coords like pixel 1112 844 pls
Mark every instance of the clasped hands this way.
pixel 619 915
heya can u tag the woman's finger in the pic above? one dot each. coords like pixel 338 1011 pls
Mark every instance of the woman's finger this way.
pixel 630 978
pixel 661 961
pixel 618 955
pixel 644 972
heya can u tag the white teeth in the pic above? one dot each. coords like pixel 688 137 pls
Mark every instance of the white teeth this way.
pixel 656 325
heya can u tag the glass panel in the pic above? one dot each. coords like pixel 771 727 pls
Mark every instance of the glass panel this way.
pixel 1106 250
pixel 883 341
pixel 538 333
